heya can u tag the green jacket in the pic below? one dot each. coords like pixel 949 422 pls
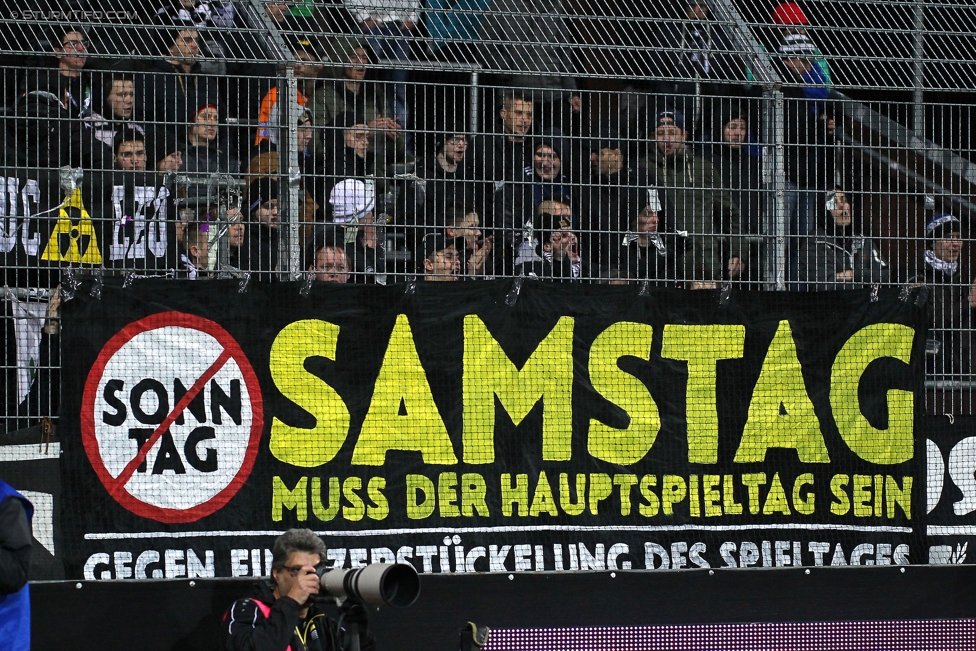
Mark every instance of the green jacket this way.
pixel 704 209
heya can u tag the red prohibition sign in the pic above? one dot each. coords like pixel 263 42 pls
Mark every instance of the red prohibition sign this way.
pixel 117 484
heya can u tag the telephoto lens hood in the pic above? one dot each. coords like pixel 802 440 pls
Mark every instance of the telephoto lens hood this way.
pixel 378 584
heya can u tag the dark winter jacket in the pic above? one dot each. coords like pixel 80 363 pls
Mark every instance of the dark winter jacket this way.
pixel 950 316
pixel 658 261
pixel 259 622
pixel 825 254
pixel 702 208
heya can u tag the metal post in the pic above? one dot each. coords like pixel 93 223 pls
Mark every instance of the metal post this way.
pixel 745 42
pixel 775 172
pixel 474 109
pixel 918 70
pixel 289 252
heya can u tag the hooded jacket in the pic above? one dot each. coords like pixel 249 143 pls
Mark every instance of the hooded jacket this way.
pixel 166 94
pixel 833 250
pixel 701 208
pixel 950 316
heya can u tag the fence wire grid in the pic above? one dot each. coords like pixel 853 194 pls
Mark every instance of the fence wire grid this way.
pixel 771 146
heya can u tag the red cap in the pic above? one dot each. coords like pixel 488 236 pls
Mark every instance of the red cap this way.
pixel 194 114
pixel 789 13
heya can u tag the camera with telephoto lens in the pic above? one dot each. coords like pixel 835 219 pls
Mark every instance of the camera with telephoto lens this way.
pixel 378 584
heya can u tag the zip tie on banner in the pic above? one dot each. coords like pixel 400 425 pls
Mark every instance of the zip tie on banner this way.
pixel 129 279
pixel 874 293
pixel 69 286
pixel 922 296
pixel 410 289
pixel 243 284
pixel 96 287
pixel 307 284
pixel 725 295
pixel 513 294
pixel 645 289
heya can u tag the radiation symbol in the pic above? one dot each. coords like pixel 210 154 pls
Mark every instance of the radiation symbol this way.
pixel 73 238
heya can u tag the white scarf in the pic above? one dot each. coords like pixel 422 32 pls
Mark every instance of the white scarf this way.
pixel 948 268
pixel 191 269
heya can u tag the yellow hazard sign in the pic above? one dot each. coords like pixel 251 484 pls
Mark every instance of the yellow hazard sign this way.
pixel 73 238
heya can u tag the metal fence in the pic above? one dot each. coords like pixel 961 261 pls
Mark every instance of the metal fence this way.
pixel 758 145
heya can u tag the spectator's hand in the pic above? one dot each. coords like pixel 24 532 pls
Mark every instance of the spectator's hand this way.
pixel 369 23
pixel 845 276
pixel 576 103
pixel 389 125
pixel 305 585
pixel 972 295
pixel 703 285
pixel 407 25
pixel 476 263
pixel 830 123
pixel 735 267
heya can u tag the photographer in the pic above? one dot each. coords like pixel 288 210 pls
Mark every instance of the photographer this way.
pixel 283 613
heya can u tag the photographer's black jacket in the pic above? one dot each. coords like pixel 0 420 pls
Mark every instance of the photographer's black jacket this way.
pixel 259 622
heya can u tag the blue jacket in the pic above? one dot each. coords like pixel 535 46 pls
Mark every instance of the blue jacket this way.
pixel 15 536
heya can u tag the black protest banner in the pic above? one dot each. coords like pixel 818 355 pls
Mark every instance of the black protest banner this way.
pixel 950 496
pixel 114 220
pixel 577 428
pixel 30 206
pixel 136 220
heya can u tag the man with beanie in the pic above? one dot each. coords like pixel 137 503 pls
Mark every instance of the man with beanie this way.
pixel 952 296
pixel 265 163
pixel 15 553
pixel 259 253
pixel 352 204
pixel 837 255
pixel 790 18
pixel 701 206
pixel 737 159
pixel 809 138
pixel 697 63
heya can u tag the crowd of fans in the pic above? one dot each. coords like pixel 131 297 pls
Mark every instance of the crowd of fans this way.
pixel 562 185
pixel 668 189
